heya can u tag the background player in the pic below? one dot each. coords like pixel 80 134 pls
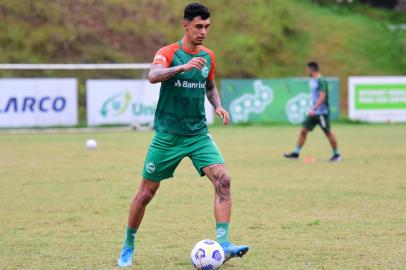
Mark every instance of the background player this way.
pixel 318 115
pixel 186 71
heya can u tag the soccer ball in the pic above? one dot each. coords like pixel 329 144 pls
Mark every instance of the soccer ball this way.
pixel 207 255
pixel 91 144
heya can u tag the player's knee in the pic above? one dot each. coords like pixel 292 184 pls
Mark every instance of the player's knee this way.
pixel 145 196
pixel 223 184
pixel 226 182
pixel 303 132
pixel 328 133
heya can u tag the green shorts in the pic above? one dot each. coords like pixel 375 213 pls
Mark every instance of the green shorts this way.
pixel 322 120
pixel 167 150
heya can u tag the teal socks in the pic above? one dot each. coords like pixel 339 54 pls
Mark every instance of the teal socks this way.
pixel 297 150
pixel 222 232
pixel 129 237
pixel 335 152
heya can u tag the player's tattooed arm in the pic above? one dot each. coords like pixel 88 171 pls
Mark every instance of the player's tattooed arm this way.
pixel 159 73
pixel 213 96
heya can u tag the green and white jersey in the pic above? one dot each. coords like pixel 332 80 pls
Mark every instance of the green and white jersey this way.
pixel 316 86
pixel 180 108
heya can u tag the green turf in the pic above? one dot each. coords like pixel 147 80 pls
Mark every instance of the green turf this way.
pixel 63 207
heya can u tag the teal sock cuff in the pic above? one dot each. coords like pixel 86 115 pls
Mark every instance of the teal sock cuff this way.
pixel 222 232
pixel 130 236
pixel 336 152
pixel 297 149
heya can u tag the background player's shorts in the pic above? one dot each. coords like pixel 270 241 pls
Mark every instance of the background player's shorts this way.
pixel 167 150
pixel 322 120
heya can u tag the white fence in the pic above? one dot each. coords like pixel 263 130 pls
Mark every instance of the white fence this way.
pixel 141 66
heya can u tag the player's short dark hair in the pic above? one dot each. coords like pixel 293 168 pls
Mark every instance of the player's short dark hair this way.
pixel 313 66
pixel 195 10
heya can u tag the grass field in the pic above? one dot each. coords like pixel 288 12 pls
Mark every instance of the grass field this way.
pixel 63 207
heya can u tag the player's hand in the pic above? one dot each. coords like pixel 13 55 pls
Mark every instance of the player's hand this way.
pixel 220 111
pixel 195 62
pixel 312 112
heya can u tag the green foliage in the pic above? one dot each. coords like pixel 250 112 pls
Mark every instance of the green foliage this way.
pixel 251 38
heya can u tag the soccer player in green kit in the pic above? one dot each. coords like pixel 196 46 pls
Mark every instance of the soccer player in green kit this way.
pixel 186 72
pixel 319 114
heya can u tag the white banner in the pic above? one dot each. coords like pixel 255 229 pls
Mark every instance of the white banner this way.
pixel 125 102
pixel 38 102
pixel 377 99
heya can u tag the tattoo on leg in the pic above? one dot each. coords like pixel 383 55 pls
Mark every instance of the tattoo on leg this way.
pixel 221 182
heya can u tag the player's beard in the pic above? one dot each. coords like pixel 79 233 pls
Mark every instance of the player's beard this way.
pixel 199 41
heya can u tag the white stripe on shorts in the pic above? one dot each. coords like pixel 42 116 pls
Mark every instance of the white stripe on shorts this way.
pixel 322 121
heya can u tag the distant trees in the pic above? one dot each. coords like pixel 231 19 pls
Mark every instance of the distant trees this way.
pixel 401 5
pixel 381 3
pixel 390 4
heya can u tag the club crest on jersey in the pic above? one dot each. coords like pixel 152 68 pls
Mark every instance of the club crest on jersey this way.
pixel 205 71
pixel 150 167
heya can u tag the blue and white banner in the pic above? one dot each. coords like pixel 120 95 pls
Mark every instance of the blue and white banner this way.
pixel 38 102
pixel 127 102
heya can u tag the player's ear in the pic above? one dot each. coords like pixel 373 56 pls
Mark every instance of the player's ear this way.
pixel 185 23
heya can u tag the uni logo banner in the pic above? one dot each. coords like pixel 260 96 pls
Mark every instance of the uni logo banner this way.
pixel 116 105
pixel 126 102
pixel 121 101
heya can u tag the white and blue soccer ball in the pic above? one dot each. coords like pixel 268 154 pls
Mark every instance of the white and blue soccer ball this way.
pixel 207 255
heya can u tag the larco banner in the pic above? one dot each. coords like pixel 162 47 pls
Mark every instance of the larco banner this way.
pixel 377 99
pixel 125 102
pixel 276 100
pixel 38 102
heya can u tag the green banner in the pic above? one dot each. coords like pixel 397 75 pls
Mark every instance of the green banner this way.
pixel 276 100
pixel 380 96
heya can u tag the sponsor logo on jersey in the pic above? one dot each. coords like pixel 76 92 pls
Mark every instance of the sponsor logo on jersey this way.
pixel 193 85
pixel 160 57
pixel 150 167
pixel 178 83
